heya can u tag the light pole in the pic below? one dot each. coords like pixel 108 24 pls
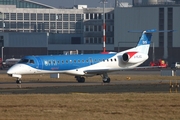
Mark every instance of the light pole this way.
pixel 2 52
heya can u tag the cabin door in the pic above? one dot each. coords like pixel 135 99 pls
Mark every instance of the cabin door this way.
pixel 40 64
pixel 90 61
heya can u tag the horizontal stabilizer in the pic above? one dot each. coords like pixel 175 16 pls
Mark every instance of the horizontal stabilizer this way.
pixel 149 31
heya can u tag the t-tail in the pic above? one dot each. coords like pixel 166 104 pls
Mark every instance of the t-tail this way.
pixel 145 41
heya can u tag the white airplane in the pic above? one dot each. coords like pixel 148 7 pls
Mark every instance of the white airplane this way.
pixel 83 65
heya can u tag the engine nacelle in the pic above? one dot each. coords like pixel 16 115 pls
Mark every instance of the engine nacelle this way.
pixel 134 57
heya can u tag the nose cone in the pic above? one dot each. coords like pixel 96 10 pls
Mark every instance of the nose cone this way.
pixel 13 69
pixel 20 69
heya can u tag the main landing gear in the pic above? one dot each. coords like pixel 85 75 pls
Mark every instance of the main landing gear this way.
pixel 80 79
pixel 105 78
pixel 18 81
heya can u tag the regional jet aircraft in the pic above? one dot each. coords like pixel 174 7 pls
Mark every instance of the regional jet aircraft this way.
pixel 84 65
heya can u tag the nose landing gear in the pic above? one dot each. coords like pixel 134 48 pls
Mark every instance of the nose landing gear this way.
pixel 18 81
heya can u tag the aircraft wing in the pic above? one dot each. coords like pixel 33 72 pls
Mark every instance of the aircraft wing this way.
pixel 148 67
pixel 101 71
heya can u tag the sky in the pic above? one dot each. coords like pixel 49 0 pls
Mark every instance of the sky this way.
pixel 71 3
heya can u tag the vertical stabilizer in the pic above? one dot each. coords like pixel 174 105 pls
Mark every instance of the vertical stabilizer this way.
pixel 145 41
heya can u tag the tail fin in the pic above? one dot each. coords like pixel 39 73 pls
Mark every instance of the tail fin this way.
pixel 145 41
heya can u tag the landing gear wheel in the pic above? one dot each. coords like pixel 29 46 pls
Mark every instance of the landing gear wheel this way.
pixel 107 80
pixel 80 79
pixel 18 81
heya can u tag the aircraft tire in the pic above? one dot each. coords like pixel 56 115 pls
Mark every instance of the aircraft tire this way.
pixel 18 81
pixel 81 80
pixel 107 80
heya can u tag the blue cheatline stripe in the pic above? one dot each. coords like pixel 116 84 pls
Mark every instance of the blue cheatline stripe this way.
pixel 67 62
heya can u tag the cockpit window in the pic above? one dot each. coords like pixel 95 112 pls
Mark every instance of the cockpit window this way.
pixel 26 61
pixel 23 61
pixel 31 61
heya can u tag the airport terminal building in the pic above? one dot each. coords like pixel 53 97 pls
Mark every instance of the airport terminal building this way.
pixel 32 28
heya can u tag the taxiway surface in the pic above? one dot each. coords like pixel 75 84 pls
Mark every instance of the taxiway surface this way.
pixel 88 87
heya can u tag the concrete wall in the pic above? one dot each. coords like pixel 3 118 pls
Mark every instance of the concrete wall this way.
pixel 135 18
pixel 26 40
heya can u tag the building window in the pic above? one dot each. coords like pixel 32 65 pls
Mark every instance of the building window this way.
pixel 99 28
pixel 26 25
pixel 108 27
pixel 91 40
pixel 19 16
pixel 46 17
pixel 86 40
pixel 33 16
pixel 91 16
pixel 95 28
pixel 78 17
pixel 91 28
pixel 13 24
pixel 86 28
pixel 53 17
pixel 161 39
pixel 65 25
pixel 65 17
pixel 72 17
pixel 100 16
pixel 6 16
pixel 33 25
pixel 109 16
pixel 95 40
pixel 99 40
pixel 59 25
pixel 72 25
pixel 46 25
pixel 39 16
pixel 59 17
pixel 13 16
pixel 95 16
pixel 6 25
pixel 53 25
pixel 19 24
pixel 26 16
pixel 78 25
pixel 87 16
